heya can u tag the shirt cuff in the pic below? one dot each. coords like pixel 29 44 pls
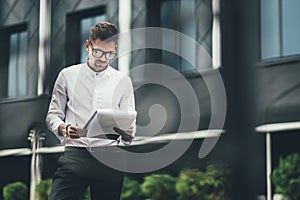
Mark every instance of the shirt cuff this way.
pixel 55 130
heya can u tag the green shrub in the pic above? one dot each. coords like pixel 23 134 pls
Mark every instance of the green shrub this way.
pixel 15 191
pixel 214 182
pixel 286 177
pixel 42 189
pixel 187 185
pixel 131 190
pixel 87 194
pixel 199 185
pixel 159 187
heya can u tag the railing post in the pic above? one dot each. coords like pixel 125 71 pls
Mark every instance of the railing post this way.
pixel 36 138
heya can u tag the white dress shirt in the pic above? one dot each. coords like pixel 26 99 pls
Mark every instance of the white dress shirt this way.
pixel 79 91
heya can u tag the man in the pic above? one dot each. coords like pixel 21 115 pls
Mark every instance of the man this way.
pixel 78 91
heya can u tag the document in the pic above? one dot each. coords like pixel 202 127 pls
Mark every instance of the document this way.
pixel 103 120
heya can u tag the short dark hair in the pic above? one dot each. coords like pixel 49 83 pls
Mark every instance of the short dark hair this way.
pixel 104 31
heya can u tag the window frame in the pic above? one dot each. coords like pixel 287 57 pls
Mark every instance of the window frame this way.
pixel 72 36
pixel 281 58
pixel 6 32
pixel 157 55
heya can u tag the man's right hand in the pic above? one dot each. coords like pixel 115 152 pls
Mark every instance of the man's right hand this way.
pixel 68 131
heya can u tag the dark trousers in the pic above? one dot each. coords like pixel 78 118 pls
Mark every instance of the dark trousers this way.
pixel 77 170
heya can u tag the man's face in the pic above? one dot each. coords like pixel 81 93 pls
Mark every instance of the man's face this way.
pixel 100 54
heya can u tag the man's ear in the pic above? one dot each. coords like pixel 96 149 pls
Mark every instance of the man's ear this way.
pixel 87 45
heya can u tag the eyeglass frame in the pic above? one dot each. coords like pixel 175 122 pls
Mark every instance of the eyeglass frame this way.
pixel 103 52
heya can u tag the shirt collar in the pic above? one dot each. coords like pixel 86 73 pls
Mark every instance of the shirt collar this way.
pixel 92 73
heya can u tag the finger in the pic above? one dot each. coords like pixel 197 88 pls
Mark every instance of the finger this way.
pixel 117 130
pixel 125 135
pixel 72 131
pixel 74 128
pixel 74 135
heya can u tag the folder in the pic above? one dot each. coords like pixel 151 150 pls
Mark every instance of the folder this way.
pixel 103 121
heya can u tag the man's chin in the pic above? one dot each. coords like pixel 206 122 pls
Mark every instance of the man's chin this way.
pixel 101 67
pixel 98 67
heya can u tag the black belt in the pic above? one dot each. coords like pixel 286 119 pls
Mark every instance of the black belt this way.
pixel 108 136
pixel 75 149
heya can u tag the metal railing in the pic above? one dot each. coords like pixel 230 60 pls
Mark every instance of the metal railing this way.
pixel 37 136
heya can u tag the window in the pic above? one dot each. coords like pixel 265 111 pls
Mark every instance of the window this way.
pixel 182 20
pixel 280 32
pixel 85 25
pixel 195 19
pixel 13 73
pixel 77 32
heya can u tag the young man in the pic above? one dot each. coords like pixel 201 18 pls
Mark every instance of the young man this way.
pixel 78 91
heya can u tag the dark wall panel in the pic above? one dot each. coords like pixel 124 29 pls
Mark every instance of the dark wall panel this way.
pixel 18 117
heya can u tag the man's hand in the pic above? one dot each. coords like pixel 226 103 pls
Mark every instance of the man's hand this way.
pixel 69 131
pixel 126 135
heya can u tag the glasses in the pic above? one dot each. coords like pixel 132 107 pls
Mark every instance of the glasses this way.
pixel 99 53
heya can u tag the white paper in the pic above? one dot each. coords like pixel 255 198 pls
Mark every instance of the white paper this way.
pixel 103 121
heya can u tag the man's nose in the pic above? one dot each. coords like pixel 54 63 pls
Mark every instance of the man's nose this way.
pixel 102 57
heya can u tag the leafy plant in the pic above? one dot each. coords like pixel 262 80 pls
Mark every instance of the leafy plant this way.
pixel 131 190
pixel 42 189
pixel 286 177
pixel 15 191
pixel 187 185
pixel 214 182
pixel 87 194
pixel 159 187
pixel 199 185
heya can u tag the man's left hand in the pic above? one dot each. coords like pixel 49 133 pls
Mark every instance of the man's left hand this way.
pixel 126 135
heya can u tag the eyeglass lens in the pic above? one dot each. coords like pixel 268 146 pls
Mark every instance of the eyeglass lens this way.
pixel 99 53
